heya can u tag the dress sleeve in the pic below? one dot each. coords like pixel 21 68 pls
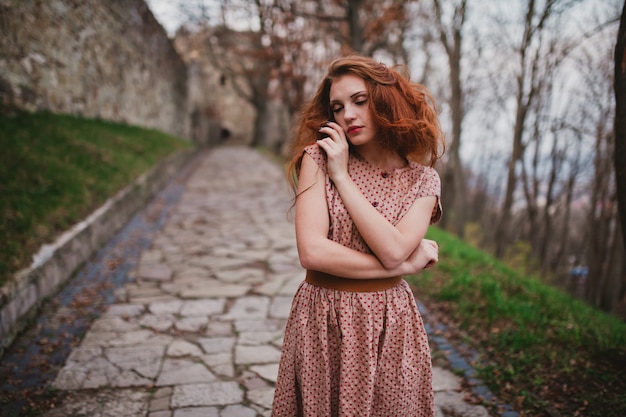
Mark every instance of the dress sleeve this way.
pixel 430 185
pixel 317 154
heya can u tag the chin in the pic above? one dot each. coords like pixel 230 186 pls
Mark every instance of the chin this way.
pixel 360 141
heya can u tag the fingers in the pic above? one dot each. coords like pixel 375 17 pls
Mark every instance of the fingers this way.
pixel 336 148
pixel 425 256
pixel 430 242
pixel 430 264
pixel 432 250
pixel 329 145
pixel 334 132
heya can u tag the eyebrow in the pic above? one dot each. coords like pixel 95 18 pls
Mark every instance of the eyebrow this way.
pixel 352 96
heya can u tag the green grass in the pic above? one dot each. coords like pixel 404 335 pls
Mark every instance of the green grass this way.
pixel 56 169
pixel 540 348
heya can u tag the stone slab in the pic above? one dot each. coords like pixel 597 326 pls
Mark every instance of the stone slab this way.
pixel 198 395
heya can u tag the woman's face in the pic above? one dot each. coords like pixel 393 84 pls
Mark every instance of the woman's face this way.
pixel 349 104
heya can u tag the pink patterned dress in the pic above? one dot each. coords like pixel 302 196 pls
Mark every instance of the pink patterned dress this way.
pixel 359 354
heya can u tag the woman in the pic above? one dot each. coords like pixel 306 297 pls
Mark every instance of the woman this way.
pixel 366 192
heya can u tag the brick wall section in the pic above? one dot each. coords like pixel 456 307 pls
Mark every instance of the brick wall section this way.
pixel 101 59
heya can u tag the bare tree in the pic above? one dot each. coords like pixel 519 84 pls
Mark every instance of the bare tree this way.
pixel 528 84
pixel 603 226
pixel 559 195
pixel 451 37
pixel 600 246
pixel 367 27
pixel 620 119
pixel 603 248
pixel 541 170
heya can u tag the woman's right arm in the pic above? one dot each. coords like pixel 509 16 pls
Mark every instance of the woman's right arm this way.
pixel 319 253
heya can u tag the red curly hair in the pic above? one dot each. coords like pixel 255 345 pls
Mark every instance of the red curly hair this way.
pixel 403 112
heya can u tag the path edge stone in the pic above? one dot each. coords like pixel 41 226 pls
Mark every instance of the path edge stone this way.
pixel 22 296
pixel 457 363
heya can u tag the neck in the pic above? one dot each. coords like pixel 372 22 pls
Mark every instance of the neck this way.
pixel 380 158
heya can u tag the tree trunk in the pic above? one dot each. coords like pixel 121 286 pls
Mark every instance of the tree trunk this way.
pixel 563 240
pixel 502 230
pixel 602 221
pixel 615 272
pixel 454 180
pixel 620 120
pixel 455 150
pixel 354 25
pixel 259 138
pixel 547 216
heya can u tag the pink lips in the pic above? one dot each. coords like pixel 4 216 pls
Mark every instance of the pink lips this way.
pixel 354 129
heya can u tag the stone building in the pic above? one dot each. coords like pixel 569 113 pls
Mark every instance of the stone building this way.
pixel 230 88
pixel 219 110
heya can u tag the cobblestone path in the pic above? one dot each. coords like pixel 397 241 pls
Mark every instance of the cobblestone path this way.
pixel 197 331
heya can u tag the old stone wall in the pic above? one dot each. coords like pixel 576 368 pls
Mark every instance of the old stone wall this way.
pixel 102 59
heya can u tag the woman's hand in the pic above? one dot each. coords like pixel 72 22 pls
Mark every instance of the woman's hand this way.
pixel 425 256
pixel 337 150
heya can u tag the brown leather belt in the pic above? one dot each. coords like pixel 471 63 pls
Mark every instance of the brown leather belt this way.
pixel 333 282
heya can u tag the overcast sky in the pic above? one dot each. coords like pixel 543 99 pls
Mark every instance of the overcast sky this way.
pixel 166 12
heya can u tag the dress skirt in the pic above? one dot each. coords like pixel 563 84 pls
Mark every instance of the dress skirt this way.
pixel 354 354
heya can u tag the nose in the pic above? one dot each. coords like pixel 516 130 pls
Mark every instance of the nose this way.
pixel 349 113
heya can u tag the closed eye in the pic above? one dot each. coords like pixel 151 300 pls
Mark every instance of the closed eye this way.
pixel 357 102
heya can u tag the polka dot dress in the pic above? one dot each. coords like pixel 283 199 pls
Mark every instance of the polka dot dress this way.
pixel 359 354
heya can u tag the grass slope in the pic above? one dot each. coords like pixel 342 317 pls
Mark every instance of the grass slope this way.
pixel 542 351
pixel 56 169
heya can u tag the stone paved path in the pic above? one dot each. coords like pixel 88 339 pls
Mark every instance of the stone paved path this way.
pixel 198 331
